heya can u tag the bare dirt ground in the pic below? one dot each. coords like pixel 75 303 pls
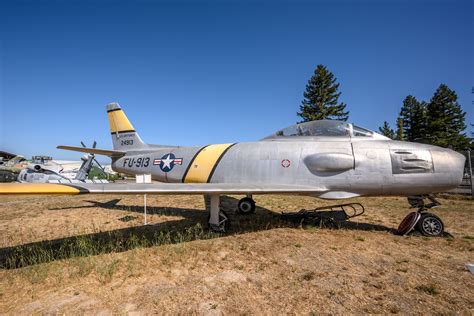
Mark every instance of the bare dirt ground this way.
pixel 64 254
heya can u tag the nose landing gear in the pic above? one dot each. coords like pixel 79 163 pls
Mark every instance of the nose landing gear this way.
pixel 430 225
pixel 426 223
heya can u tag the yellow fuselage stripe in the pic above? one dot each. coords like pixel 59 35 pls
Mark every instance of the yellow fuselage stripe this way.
pixel 204 163
pixel 37 188
pixel 119 122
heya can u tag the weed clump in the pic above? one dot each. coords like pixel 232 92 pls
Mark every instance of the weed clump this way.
pixel 107 270
pixel 428 289
pixel 307 276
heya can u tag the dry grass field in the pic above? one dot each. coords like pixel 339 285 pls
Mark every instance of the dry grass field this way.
pixel 61 254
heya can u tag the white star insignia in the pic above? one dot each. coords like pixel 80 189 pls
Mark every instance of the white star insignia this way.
pixel 167 162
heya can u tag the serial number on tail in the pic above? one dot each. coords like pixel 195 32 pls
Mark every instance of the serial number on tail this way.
pixel 126 142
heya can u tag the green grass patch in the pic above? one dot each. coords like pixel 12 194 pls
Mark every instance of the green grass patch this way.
pixel 95 244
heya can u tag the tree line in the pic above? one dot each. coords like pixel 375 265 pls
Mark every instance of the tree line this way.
pixel 440 121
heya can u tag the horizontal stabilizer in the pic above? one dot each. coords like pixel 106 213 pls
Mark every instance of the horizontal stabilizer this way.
pixel 105 152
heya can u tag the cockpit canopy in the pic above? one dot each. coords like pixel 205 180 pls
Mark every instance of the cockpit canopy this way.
pixel 325 128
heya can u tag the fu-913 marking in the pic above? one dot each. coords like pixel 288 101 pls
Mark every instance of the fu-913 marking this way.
pixel 136 162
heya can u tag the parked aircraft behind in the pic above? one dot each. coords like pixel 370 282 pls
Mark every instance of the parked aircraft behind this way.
pixel 327 159
pixel 44 169
pixel 10 166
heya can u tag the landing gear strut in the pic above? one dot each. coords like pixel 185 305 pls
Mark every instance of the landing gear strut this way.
pixel 424 222
pixel 219 221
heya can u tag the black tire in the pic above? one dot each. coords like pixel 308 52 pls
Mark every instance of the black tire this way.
pixel 408 223
pixel 430 225
pixel 246 206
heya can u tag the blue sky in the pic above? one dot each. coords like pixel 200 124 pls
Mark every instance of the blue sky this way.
pixel 193 73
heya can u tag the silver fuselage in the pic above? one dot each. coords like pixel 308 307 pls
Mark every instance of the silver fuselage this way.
pixel 343 166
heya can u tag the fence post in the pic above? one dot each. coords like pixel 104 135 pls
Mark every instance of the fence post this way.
pixel 144 208
pixel 143 178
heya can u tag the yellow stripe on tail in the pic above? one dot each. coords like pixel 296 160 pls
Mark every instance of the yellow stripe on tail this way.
pixel 124 136
pixel 119 122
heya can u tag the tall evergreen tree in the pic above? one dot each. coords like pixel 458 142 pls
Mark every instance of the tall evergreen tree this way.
pixel 321 98
pixel 445 120
pixel 399 133
pixel 385 130
pixel 418 128
pixel 406 116
pixel 413 116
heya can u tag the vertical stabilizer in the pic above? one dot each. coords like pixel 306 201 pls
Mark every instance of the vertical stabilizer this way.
pixel 124 136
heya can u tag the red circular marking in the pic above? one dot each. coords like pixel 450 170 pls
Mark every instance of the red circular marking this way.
pixel 285 163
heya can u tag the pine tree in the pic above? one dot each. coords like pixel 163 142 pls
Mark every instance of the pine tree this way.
pixel 399 133
pixel 445 120
pixel 321 98
pixel 385 130
pixel 413 116
pixel 418 128
pixel 406 115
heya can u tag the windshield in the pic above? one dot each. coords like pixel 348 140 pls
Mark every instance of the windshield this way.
pixel 324 128
pixel 359 131
pixel 316 128
pixel 327 128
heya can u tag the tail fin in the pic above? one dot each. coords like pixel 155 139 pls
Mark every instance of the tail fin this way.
pixel 124 136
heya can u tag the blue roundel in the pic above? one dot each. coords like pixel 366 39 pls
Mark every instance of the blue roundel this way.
pixel 167 162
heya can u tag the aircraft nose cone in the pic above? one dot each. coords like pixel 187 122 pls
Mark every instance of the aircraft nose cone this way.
pixel 458 161
pixel 448 167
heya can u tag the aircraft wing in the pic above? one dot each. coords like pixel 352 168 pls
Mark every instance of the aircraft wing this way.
pixel 156 188
pixel 105 152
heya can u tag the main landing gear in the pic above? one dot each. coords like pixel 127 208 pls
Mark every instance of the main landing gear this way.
pixel 426 223
pixel 218 220
pixel 246 206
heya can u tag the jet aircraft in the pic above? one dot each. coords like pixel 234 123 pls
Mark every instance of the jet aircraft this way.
pixel 44 169
pixel 327 159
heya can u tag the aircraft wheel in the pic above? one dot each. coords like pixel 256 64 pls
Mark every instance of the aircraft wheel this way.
pixel 246 206
pixel 408 223
pixel 430 225
pixel 224 223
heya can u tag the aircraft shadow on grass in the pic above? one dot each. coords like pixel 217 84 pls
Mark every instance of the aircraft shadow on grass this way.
pixel 192 226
